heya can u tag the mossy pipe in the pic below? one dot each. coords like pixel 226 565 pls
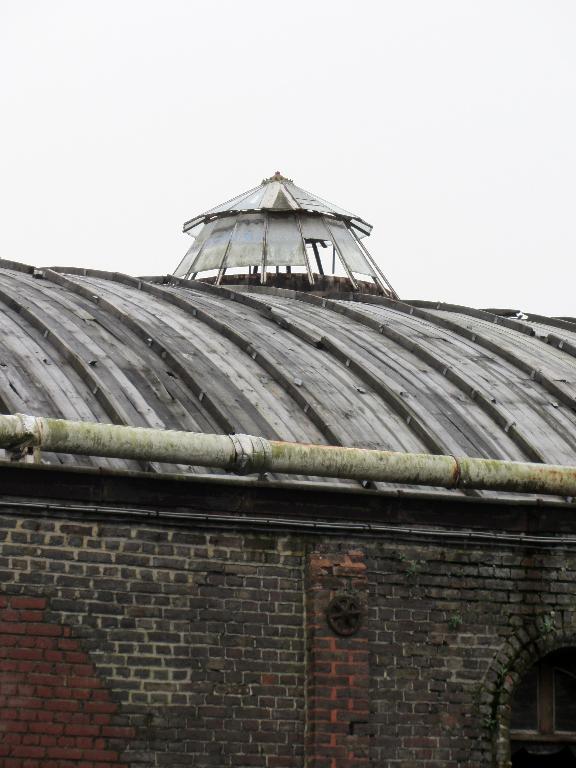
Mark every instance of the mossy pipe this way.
pixel 363 464
pixel 111 440
pixel 246 454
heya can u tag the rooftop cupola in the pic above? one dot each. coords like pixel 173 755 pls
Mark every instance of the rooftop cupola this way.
pixel 279 234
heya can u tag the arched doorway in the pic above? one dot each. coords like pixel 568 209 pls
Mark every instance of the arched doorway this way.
pixel 543 718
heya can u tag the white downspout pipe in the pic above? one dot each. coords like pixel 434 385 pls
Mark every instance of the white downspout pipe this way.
pixel 245 454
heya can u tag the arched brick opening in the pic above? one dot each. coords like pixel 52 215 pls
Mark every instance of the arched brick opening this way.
pixel 521 651
pixel 54 709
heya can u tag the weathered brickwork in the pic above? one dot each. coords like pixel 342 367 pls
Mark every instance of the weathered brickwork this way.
pixel 337 681
pixel 211 648
pixel 197 636
pixel 451 631
pixel 54 710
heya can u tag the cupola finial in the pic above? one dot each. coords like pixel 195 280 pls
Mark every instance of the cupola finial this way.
pixel 277 176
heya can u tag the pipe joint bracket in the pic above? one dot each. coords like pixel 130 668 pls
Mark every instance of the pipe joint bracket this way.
pixel 252 454
pixel 26 438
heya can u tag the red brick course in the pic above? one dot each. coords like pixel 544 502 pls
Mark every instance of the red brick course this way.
pixel 338 667
pixel 54 710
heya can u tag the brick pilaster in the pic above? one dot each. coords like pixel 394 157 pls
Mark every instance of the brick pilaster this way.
pixel 338 667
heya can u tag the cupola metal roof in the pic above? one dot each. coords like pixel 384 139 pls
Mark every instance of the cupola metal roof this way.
pixel 280 225
pixel 280 194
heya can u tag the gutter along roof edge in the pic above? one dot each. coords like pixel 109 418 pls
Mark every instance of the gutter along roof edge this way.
pixel 143 499
pixel 438 535
pixel 308 486
pixel 238 483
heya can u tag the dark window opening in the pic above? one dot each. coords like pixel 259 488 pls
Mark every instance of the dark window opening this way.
pixel 554 757
pixel 564 700
pixel 543 719
pixel 525 706
pixel 323 257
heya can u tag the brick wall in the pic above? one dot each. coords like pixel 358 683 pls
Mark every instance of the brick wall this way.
pixel 196 638
pixel 174 647
pixel 54 709
pixel 449 628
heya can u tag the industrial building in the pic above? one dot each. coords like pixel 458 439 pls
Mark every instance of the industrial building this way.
pixel 254 595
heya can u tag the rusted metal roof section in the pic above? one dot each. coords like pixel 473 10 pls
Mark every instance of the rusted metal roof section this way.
pixel 366 372
pixel 279 225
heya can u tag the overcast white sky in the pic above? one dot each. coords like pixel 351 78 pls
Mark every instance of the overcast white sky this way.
pixel 449 125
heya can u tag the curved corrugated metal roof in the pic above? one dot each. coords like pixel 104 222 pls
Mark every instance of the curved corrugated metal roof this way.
pixel 357 371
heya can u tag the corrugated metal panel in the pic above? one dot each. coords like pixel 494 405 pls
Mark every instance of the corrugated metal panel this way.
pixel 187 264
pixel 348 248
pixel 214 247
pixel 310 201
pixel 284 244
pixel 243 202
pixel 313 228
pixel 247 241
